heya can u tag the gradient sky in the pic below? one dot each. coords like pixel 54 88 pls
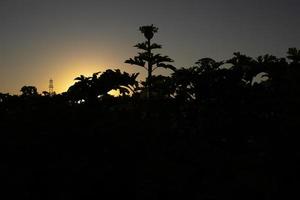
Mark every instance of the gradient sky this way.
pixel 61 39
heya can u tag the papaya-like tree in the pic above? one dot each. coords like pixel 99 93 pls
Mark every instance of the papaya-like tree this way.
pixel 147 59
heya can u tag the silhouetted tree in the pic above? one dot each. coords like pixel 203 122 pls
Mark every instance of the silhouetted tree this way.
pixel 275 69
pixel 147 56
pixel 80 89
pixel 207 64
pixel 162 87
pixel 184 83
pixel 91 88
pixel 242 67
pixel 3 97
pixel 29 91
pixel 294 55
pixel 293 74
pixel 116 80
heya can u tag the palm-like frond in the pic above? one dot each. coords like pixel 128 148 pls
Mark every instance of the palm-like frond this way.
pixel 144 46
pixel 136 61
pixel 167 66
pixel 160 59
pixel 82 78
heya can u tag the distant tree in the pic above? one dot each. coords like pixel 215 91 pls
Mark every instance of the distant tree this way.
pixel 45 93
pixel 29 91
pixel 147 56
pixel 3 97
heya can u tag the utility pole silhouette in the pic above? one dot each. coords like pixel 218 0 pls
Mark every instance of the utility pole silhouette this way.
pixel 51 91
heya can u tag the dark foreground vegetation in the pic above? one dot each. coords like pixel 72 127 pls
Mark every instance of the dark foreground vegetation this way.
pixel 217 130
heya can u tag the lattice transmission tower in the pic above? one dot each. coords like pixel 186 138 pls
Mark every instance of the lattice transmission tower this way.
pixel 51 87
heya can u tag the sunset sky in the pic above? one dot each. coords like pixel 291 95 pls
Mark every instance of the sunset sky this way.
pixel 61 39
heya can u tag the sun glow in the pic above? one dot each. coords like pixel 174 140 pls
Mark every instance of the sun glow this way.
pixel 65 78
pixel 74 61
pixel 114 93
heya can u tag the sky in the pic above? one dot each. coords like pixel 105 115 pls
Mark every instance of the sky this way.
pixel 62 39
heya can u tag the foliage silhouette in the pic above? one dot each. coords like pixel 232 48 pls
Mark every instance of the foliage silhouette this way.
pixel 294 55
pixel 29 91
pixel 91 88
pixel 214 132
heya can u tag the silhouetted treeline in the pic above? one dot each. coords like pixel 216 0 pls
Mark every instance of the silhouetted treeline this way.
pixel 212 131
pixel 215 130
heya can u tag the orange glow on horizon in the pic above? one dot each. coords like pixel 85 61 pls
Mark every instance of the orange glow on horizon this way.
pixel 66 78
pixel 69 63
pixel 82 65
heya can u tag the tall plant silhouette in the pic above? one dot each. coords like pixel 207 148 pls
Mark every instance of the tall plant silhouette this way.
pixel 147 59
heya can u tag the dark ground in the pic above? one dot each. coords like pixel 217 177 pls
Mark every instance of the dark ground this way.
pixel 111 152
